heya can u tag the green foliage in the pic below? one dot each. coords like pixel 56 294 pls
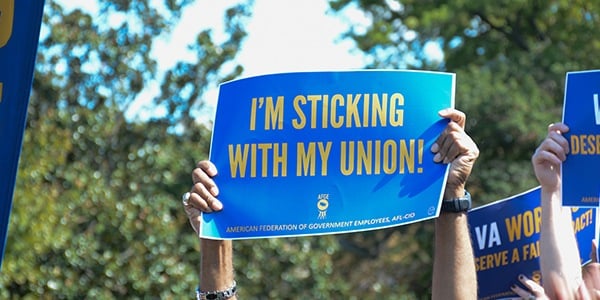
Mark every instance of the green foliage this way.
pixel 291 268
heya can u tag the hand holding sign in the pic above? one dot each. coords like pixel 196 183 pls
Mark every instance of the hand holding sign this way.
pixel 549 156
pixel 202 197
pixel 453 245
pixel 454 146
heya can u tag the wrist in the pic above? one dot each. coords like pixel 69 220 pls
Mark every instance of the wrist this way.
pixel 228 293
pixel 551 189
pixel 453 192
pixel 551 198
pixel 460 204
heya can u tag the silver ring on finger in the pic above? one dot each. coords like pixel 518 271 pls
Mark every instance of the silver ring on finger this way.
pixel 185 199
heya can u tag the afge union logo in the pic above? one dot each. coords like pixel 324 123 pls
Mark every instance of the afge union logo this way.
pixel 7 11
pixel 322 205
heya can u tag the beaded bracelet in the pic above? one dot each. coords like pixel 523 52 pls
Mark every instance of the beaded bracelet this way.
pixel 217 295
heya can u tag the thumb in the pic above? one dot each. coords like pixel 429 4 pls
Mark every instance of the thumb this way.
pixel 454 115
pixel 195 217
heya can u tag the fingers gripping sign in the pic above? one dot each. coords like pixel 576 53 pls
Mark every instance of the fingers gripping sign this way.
pixel 202 197
pixel 530 289
pixel 456 147
pixel 549 156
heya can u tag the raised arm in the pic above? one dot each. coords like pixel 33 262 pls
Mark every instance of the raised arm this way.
pixel 559 259
pixel 216 266
pixel 454 275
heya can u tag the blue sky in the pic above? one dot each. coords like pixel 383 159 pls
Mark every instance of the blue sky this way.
pixel 283 36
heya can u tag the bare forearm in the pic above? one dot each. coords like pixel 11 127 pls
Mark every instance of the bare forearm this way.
pixel 216 266
pixel 454 275
pixel 560 254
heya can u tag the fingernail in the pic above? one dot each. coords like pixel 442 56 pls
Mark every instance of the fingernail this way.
pixel 217 205
pixel 435 147
pixel 437 158
pixel 214 191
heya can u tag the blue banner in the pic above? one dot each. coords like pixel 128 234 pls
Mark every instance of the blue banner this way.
pixel 581 112
pixel 506 244
pixel 327 152
pixel 19 33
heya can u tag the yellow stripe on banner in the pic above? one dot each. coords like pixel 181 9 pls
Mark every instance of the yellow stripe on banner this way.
pixel 7 11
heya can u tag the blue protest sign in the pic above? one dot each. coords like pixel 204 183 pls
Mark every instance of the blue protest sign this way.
pixel 506 244
pixel 19 33
pixel 327 152
pixel 581 112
